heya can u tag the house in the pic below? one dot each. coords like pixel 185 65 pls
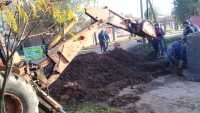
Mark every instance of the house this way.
pixel 195 19
pixel 167 23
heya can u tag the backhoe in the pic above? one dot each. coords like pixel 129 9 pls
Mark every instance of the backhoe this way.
pixel 24 90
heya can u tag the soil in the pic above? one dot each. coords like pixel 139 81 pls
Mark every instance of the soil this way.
pixel 124 100
pixel 97 77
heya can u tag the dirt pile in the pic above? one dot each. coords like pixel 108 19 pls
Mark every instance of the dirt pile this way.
pixel 126 58
pixel 98 77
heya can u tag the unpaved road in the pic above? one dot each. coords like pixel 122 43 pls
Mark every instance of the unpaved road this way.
pixel 168 94
pixel 124 45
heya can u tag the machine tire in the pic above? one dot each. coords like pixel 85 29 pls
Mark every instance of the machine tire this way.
pixel 18 86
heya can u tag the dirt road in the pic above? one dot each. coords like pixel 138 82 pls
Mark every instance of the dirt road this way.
pixel 168 94
pixel 124 45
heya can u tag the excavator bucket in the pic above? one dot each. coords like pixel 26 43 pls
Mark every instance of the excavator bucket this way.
pixel 143 28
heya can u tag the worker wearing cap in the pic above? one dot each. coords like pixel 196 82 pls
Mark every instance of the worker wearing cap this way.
pixel 107 39
pixel 102 41
pixel 188 29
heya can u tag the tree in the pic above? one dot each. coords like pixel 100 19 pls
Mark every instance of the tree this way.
pixel 18 17
pixel 150 14
pixel 130 16
pixel 49 24
pixel 183 9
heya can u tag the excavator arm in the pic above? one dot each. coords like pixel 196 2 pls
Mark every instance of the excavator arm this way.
pixel 63 53
pixel 60 52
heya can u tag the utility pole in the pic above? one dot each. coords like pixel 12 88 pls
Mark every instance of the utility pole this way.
pixel 147 4
pixel 141 6
pixel 153 11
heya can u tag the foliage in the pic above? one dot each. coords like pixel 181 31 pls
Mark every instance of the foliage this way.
pixel 150 14
pixel 149 47
pixel 67 5
pixel 21 9
pixel 183 9
pixel 9 19
pixel 16 16
pixel 56 16
pixel 89 107
pixel 130 16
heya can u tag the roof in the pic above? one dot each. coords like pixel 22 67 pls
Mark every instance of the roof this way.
pixel 166 18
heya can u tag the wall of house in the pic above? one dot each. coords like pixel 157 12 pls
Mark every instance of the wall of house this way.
pixel 114 34
pixel 169 26
pixel 195 19
pixel 39 39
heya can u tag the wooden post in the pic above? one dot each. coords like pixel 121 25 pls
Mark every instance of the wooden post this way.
pixel 114 34
pixel 165 26
pixel 95 39
pixel 153 12
pixel 147 4
pixel 141 6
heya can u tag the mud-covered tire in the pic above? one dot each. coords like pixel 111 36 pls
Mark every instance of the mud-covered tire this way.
pixel 18 86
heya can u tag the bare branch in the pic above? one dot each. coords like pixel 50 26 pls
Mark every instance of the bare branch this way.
pixel 15 39
pixel 8 41
pixel 23 40
pixel 51 26
pixel 24 29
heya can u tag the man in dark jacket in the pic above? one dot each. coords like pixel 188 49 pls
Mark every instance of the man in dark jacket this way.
pixel 155 42
pixel 179 53
pixel 107 39
pixel 188 29
pixel 194 26
pixel 161 41
pixel 170 52
pixel 102 41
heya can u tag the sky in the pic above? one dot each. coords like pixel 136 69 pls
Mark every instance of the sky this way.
pixel 133 6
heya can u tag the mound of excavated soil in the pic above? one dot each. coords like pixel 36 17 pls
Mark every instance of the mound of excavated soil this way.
pixel 98 77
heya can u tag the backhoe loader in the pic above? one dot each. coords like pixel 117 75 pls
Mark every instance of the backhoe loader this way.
pixel 24 90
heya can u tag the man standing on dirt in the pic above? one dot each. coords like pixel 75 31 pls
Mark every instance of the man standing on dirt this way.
pixel 161 41
pixel 107 39
pixel 155 42
pixel 102 41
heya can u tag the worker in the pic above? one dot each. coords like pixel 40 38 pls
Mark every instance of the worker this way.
pixel 170 52
pixel 180 54
pixel 194 26
pixel 161 41
pixel 155 42
pixel 188 29
pixel 107 39
pixel 102 41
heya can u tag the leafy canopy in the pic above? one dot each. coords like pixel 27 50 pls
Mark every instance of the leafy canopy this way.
pixel 9 12
pixel 183 9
